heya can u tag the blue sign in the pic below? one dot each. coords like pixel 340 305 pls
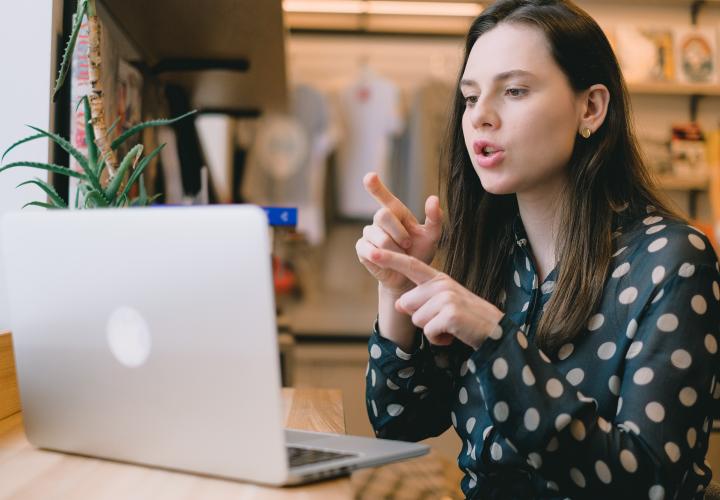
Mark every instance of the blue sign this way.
pixel 281 216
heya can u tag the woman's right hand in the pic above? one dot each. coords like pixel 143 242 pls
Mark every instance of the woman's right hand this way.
pixel 395 228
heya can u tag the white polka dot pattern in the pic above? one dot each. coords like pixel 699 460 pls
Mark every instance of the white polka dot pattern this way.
pixel 402 354
pixel 603 472
pixel 395 409
pixel 621 270
pixel 688 396
pixel 656 492
pixel 673 451
pixel 628 295
pixel 606 351
pixel 562 421
pixel 463 395
pixel 628 461
pixel 500 368
pixel 575 376
pixel 527 376
pixel 686 270
pixel 643 362
pixel 681 359
pixel 596 322
pixel 643 376
pixel 698 304
pixel 577 477
pixel 496 452
pixel 565 351
pixel 658 274
pixel 667 322
pixel 554 388
pixel 501 411
pixel 655 411
pixel 470 424
pixel 657 245
pixel 531 419
pixel 631 329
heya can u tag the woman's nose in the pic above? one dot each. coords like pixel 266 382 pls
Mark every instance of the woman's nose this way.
pixel 483 114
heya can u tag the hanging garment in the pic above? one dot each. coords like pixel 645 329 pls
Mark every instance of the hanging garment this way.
pixel 370 118
pixel 424 140
pixel 310 108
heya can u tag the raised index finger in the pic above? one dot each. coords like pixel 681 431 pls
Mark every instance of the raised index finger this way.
pixel 384 197
pixel 413 269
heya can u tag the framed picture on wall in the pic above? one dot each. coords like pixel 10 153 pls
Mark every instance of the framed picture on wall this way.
pixel 645 53
pixel 696 54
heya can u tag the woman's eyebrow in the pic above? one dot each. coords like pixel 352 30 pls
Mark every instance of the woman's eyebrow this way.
pixel 505 75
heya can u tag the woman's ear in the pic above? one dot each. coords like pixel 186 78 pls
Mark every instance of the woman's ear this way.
pixel 594 106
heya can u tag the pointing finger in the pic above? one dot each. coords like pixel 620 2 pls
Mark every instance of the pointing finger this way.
pixel 384 197
pixel 410 267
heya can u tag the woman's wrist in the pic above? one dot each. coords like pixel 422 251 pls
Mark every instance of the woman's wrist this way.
pixel 389 293
pixel 394 325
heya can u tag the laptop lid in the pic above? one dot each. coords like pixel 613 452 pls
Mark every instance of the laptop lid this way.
pixel 148 335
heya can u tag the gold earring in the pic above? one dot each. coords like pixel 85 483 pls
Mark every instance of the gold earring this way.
pixel 585 132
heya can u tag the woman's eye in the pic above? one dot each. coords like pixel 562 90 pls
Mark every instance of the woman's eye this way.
pixel 470 100
pixel 515 92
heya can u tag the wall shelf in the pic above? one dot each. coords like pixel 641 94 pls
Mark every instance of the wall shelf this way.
pixel 675 183
pixel 232 51
pixel 674 89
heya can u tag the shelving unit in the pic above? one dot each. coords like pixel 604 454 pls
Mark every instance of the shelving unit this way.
pixel 224 57
pixel 675 183
pixel 674 89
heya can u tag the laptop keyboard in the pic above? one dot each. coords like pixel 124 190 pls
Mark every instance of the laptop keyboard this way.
pixel 305 456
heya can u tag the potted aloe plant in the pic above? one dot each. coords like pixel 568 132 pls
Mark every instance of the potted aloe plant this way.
pixel 102 182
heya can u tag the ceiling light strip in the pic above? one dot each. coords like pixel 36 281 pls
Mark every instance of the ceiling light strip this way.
pixel 449 9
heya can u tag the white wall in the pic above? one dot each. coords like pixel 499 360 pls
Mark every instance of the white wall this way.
pixel 26 54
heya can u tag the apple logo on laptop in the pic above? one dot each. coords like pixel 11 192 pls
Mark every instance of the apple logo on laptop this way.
pixel 128 335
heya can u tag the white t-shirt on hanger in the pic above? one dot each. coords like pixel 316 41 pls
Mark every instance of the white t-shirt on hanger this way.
pixel 370 117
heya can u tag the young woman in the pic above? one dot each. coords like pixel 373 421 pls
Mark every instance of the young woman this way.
pixel 572 338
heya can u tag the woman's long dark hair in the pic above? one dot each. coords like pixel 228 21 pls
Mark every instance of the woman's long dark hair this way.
pixel 605 172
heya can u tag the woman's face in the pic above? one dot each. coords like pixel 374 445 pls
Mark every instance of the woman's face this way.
pixel 521 114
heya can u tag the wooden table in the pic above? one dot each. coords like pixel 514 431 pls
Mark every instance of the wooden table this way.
pixel 29 473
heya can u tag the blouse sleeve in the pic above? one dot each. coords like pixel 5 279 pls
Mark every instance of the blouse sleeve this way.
pixel 665 390
pixel 407 394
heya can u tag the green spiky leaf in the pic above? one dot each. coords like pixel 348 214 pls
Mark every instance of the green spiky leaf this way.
pixel 90 137
pixel 21 141
pixel 39 204
pixel 70 47
pixel 50 167
pixel 137 173
pixel 49 190
pixel 95 199
pixel 113 125
pixel 65 144
pixel 152 123
pixel 130 158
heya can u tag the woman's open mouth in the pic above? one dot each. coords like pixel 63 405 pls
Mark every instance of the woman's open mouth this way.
pixel 488 155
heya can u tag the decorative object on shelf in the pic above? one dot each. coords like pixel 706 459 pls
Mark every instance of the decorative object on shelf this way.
pixel 688 150
pixel 696 54
pixel 645 53
pixel 102 182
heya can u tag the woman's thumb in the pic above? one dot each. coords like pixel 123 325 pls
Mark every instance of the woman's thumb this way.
pixel 433 213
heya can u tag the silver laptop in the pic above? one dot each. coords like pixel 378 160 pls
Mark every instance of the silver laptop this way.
pixel 149 336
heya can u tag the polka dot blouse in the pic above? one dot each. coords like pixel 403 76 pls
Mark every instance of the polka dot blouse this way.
pixel 622 411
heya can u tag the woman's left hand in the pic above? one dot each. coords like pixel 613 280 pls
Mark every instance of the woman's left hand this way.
pixel 440 305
